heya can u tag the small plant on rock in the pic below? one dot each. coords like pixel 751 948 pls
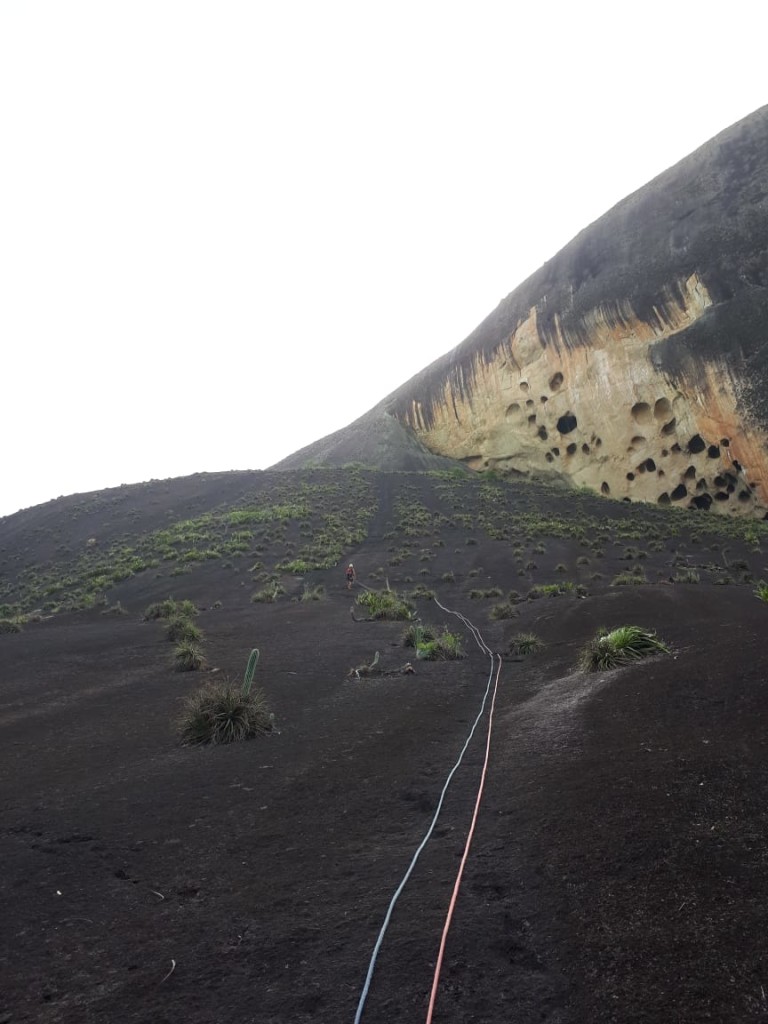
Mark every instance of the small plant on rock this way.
pixel 525 643
pixel 504 610
pixel 385 604
pixel 417 633
pixel 188 657
pixel 627 579
pixel 686 576
pixel 183 630
pixel 445 647
pixel 620 646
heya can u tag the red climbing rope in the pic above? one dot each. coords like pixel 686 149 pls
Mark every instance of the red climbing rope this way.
pixel 465 855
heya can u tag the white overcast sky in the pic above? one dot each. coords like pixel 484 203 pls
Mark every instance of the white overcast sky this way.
pixel 229 228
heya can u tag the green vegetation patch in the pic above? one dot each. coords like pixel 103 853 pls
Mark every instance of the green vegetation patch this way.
pixel 620 646
pixel 385 604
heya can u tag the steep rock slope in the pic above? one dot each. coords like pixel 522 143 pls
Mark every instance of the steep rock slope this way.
pixel 632 363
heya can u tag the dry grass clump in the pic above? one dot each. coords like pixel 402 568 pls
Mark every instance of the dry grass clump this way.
pixel 222 713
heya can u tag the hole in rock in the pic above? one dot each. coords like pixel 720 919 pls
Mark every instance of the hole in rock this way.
pixel 605 488
pixel 690 473
pixel 730 488
pixel 713 452
pixel 543 399
pixel 676 448
pixel 721 496
pixel 696 444
pixel 641 412
pixel 662 409
pixel 661 473
pixel 630 476
pixel 724 442
pixel 679 492
pixel 731 479
pixel 524 385
pixel 549 457
pixel 663 499
pixel 514 413
pixel 719 481
pixel 567 423
pixel 571 449
pixel 650 465
pixel 556 382
pixel 530 403
pixel 669 428
pixel 598 442
pixel 641 468
pixel 585 448
pixel 532 420
pixel 628 500
pixel 542 433
pixel 664 452
pixel 701 485
pixel 744 495
pixel 638 439
pixel 701 501
pixel 556 451
pixel 737 465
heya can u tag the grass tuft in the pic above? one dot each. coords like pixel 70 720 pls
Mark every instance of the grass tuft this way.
pixel 188 657
pixel 182 629
pixel 619 647
pixel 446 647
pixel 525 643
pixel 385 604
pixel 222 713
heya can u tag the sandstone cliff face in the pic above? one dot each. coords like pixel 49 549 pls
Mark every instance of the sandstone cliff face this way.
pixel 635 362
pixel 601 414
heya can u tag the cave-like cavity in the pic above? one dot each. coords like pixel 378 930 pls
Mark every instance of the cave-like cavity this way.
pixel 524 385
pixel 532 420
pixel 549 457
pixel 662 409
pixel 571 449
pixel 663 499
pixel 696 444
pixel 556 382
pixel 679 492
pixel 703 501
pixel 585 448
pixel 724 442
pixel 543 399
pixel 690 473
pixel 744 495
pixel 713 452
pixel 641 412
pixel 556 452
pixel 722 496
pixel 514 413
pixel 650 465
pixel 567 423
pixel 630 476
pixel 542 433
pixel 669 428
pixel 605 488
